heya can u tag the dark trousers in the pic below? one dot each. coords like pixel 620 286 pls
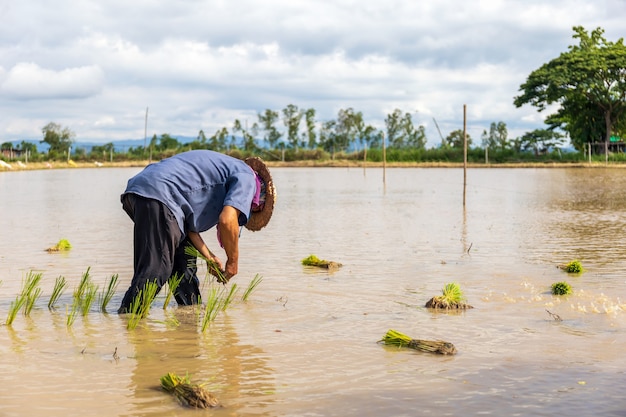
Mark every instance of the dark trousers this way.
pixel 159 251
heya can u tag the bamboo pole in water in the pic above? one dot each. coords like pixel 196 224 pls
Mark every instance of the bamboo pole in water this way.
pixel 384 161
pixel 464 151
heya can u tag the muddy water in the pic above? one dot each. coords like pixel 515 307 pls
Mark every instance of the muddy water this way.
pixel 304 343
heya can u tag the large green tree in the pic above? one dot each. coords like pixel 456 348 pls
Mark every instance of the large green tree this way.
pixel 59 138
pixel 588 82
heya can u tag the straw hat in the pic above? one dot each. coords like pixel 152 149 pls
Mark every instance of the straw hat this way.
pixel 259 219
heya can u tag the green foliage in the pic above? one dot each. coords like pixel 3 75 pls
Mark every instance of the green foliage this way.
pixel 59 139
pixel 561 288
pixel 588 83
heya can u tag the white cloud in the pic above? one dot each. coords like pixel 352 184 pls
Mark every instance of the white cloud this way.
pixel 198 64
pixel 29 81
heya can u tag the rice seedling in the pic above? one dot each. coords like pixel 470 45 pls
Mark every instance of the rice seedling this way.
pixel 88 298
pixel 251 287
pixel 108 292
pixel 72 311
pixel 188 394
pixel 15 308
pixel 30 300
pixel 79 291
pixel 213 305
pixel 396 338
pixel 229 297
pixel 172 284
pixel 561 288
pixel 82 298
pixel 59 286
pixel 31 291
pixel 140 306
pixel 212 268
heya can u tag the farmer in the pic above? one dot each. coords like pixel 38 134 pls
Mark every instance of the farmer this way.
pixel 171 202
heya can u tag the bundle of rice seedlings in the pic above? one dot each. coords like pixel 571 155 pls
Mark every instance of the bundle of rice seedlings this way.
pixel 59 286
pixel 313 260
pixel 561 288
pixel 451 298
pixel 573 267
pixel 395 338
pixel 62 245
pixel 212 268
pixel 188 394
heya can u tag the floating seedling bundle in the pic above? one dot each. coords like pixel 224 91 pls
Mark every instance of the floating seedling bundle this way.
pixel 313 260
pixel 62 245
pixel 395 338
pixel 451 298
pixel 188 394
pixel 573 267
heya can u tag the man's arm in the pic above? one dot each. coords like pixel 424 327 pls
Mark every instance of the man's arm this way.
pixel 229 235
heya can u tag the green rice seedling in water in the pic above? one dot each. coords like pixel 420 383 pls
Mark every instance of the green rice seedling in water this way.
pixel 251 287
pixel 72 311
pixel 140 306
pixel 31 291
pixel 213 306
pixel 79 292
pixel 229 297
pixel 561 288
pixel 15 308
pixel 88 298
pixel 108 292
pixel 59 286
pixel 30 300
pixel 172 285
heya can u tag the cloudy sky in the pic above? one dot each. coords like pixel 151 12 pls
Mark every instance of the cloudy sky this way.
pixel 96 66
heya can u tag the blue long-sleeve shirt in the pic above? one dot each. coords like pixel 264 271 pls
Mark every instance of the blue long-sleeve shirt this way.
pixel 196 185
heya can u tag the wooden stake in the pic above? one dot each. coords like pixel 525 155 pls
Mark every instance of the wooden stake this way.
pixel 464 151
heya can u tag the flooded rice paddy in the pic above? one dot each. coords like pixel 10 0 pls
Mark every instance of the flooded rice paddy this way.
pixel 305 341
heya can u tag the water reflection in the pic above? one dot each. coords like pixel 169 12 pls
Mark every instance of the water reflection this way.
pixel 237 374
pixel 306 342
